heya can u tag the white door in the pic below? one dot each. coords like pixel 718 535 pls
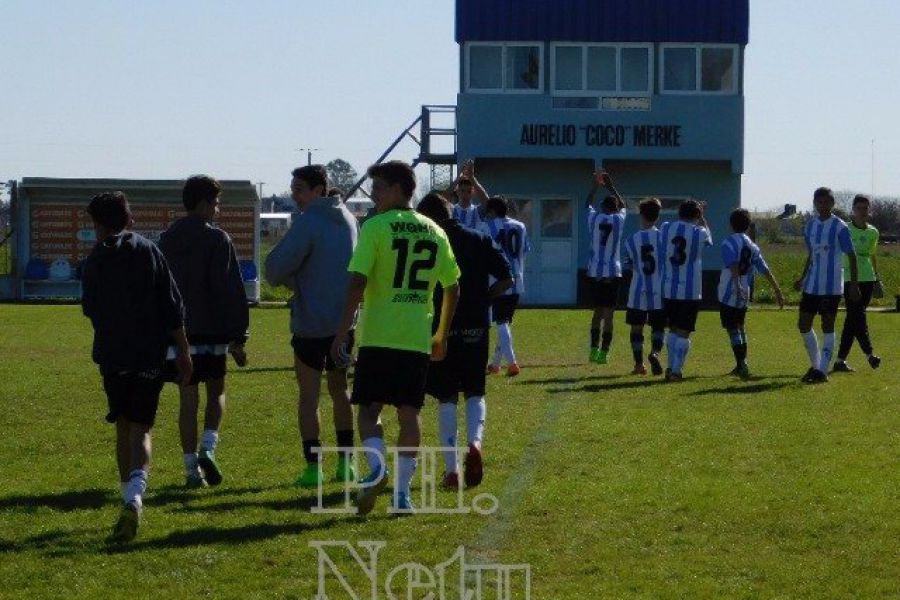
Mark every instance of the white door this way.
pixel 550 266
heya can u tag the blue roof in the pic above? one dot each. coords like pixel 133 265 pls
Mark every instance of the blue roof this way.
pixel 699 21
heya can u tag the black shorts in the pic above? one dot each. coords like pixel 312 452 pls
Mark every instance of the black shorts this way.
pixel 206 368
pixel 656 318
pixel 605 291
pixel 464 369
pixel 315 353
pixel 133 395
pixel 819 305
pixel 731 317
pixel 390 376
pixel 504 307
pixel 682 314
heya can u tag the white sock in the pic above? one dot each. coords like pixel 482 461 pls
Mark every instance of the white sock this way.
pixel 671 350
pixel 498 353
pixel 504 336
pixel 827 352
pixel 209 440
pixel 476 411
pixel 406 468
pixel 137 485
pixel 684 346
pixel 191 465
pixel 812 348
pixel 374 443
pixel 447 433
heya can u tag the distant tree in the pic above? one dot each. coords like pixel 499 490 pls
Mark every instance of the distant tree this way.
pixel 341 174
pixel 885 215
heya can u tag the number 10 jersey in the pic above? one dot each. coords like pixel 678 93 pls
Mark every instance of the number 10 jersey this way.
pixel 643 252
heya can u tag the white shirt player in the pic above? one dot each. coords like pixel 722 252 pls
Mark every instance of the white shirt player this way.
pixel 512 238
pixel 681 246
pixel 470 217
pixel 738 249
pixel 605 232
pixel 643 251
pixel 826 240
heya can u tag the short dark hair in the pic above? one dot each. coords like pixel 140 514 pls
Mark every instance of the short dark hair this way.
pixel 689 210
pixel 313 176
pixel 610 204
pixel 861 199
pixel 823 192
pixel 497 205
pixel 111 210
pixel 395 172
pixel 199 188
pixel 650 208
pixel 740 220
pixel 435 207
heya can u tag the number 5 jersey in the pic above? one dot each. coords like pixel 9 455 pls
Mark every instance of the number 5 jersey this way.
pixel 642 250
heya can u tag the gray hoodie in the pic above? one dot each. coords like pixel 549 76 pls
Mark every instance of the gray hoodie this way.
pixel 312 260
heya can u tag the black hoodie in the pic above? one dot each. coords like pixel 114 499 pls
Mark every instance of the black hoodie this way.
pixel 132 301
pixel 205 266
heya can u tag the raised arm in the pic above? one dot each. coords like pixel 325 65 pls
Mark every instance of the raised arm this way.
pixel 608 183
pixel 468 170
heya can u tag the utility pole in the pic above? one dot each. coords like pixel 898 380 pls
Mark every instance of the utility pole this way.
pixel 309 152
pixel 873 168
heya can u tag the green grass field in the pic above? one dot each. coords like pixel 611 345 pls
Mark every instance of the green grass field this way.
pixel 609 486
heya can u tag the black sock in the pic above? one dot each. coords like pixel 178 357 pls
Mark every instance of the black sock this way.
pixel 607 340
pixel 658 338
pixel 310 456
pixel 741 353
pixel 595 338
pixel 637 347
pixel 345 440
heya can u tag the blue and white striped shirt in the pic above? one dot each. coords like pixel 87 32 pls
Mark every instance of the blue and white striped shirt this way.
pixel 512 238
pixel 682 246
pixel 825 241
pixel 605 232
pixel 643 251
pixel 738 249
pixel 470 217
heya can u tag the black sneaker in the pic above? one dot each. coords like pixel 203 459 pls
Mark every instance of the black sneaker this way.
pixel 874 361
pixel 808 377
pixel 818 377
pixel 655 366
pixel 841 366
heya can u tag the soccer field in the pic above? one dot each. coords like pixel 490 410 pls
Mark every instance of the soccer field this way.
pixel 609 485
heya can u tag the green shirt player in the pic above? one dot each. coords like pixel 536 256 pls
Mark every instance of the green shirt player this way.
pixel 399 258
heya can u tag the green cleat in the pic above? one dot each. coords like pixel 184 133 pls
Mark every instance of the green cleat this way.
pixel 603 357
pixel 211 471
pixel 126 527
pixel 594 356
pixel 310 477
pixel 344 471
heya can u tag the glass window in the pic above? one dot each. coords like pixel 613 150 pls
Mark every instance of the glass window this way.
pixel 485 67
pixel 521 209
pixel 556 218
pixel 601 68
pixel 680 69
pixel 568 68
pixel 635 69
pixel 717 67
pixel 523 67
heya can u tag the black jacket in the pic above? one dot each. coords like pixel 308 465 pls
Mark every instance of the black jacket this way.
pixel 206 269
pixel 132 302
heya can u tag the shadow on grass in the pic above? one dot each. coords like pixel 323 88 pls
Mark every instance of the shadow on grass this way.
pixel 744 388
pixel 252 370
pixel 170 494
pixel 93 498
pixel 569 380
pixel 304 503
pixel 608 387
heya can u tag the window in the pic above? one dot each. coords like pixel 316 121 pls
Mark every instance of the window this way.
pixel 622 69
pixel 504 67
pixel 699 69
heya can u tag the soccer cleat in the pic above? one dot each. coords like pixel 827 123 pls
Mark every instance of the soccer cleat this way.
pixel 639 370
pixel 874 361
pixel 603 357
pixel 816 376
pixel 450 482
pixel 473 466
pixel 211 471
pixel 402 504
pixel 742 371
pixel 493 369
pixel 594 356
pixel 808 377
pixel 310 477
pixel 344 471
pixel 655 365
pixel 673 377
pixel 126 527
pixel 512 370
pixel 375 483
pixel 841 366
pixel 195 481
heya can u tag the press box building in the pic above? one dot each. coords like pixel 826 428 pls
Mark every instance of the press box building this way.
pixel 650 90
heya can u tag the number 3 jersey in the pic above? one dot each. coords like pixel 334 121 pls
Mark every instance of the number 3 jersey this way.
pixel 512 238
pixel 642 250
pixel 681 247
pixel 403 256
pixel 738 249
pixel 606 240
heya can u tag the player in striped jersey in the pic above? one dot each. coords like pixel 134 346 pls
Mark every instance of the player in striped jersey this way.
pixel 466 186
pixel 645 304
pixel 822 281
pixel 740 259
pixel 512 238
pixel 605 267
pixel 682 243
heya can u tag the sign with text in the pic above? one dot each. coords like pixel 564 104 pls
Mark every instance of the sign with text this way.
pixel 635 136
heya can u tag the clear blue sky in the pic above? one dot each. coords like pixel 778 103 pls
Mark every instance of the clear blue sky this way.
pixel 167 88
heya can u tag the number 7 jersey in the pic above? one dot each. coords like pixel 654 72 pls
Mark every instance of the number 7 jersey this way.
pixel 681 247
pixel 403 255
pixel 643 252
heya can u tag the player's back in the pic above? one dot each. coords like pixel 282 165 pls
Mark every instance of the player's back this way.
pixel 512 237
pixel 682 246
pixel 738 249
pixel 606 235
pixel 643 250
